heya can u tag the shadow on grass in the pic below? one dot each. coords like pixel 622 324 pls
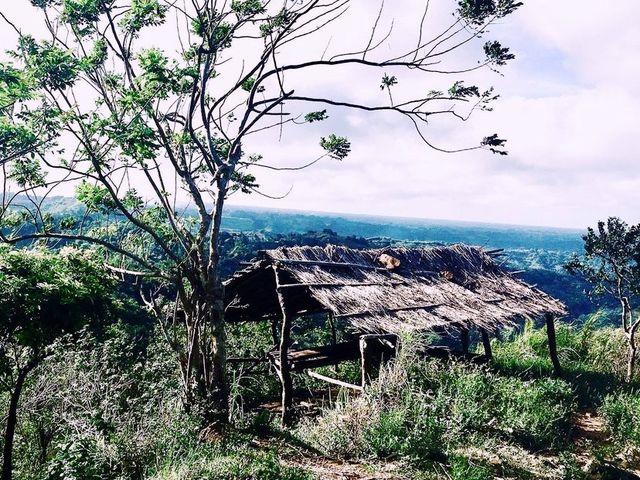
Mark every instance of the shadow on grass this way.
pixel 590 386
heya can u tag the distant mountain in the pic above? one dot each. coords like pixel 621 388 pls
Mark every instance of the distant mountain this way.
pixel 244 219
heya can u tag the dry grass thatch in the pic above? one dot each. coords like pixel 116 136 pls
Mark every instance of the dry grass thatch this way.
pixel 432 288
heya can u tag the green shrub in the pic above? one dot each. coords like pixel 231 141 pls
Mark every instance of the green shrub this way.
pixel 229 463
pixel 621 413
pixel 463 469
pixel 411 431
pixel 537 412
pixel 581 349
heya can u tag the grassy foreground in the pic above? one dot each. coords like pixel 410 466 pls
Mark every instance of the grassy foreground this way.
pixel 111 414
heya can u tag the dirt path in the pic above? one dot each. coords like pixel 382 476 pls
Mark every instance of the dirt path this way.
pixel 590 433
pixel 327 469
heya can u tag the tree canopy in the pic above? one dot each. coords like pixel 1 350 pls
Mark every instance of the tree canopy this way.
pixel 44 297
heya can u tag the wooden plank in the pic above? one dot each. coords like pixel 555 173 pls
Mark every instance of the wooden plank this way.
pixel 334 381
pixel 326 355
pixel 318 357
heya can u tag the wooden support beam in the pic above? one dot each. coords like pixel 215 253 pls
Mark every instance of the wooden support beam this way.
pixel 332 325
pixel 284 367
pixel 334 335
pixel 334 381
pixel 553 348
pixel 464 340
pixel 274 332
pixel 486 343
pixel 336 285
pixel 388 310
pixel 330 264
pixel 372 353
pixel 365 361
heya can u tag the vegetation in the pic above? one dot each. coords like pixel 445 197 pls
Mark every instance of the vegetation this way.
pixel 611 263
pixel 44 298
pixel 113 341
pixel 431 415
pixel 137 129
pixel 104 405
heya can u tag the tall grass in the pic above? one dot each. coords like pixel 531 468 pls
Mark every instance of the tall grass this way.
pixel 621 412
pixel 593 357
pixel 421 410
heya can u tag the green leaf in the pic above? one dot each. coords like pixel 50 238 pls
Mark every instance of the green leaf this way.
pixel 336 147
pixel 143 13
pixel 27 172
pixel 96 199
pixel 247 8
pixel 497 54
pixel 316 116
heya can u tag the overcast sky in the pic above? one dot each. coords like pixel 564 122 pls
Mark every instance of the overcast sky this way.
pixel 568 109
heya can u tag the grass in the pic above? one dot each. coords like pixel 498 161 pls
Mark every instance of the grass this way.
pixel 426 412
pixel 621 412
pixel 421 410
pixel 429 418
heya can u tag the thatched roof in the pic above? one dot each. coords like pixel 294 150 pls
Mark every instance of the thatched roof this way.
pixel 432 288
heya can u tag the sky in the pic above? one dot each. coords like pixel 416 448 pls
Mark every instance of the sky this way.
pixel 568 109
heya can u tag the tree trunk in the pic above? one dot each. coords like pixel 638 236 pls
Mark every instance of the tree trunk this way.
pixel 12 420
pixel 218 384
pixel 285 368
pixel 553 349
pixel 206 390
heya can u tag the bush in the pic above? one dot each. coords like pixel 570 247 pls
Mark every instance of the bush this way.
pixel 581 349
pixel 463 469
pixel 621 413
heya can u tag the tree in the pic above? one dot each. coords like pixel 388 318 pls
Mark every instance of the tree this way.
pixel 143 131
pixel 611 263
pixel 43 298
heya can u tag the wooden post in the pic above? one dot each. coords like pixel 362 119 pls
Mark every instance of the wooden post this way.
pixel 464 339
pixel 285 368
pixel 275 335
pixel 553 349
pixel 486 343
pixel 372 353
pixel 332 325
pixel 334 337
pixel 365 361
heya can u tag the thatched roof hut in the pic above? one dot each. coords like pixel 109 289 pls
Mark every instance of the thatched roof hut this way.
pixel 431 288
pixel 380 294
